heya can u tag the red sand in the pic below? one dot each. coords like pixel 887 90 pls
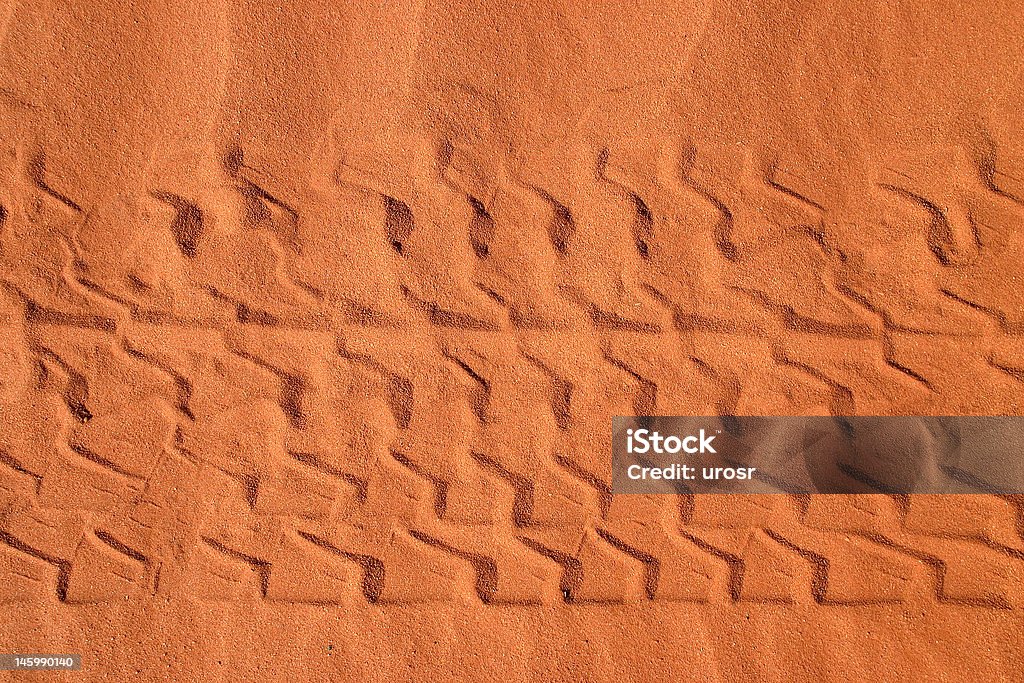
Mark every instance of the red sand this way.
pixel 314 316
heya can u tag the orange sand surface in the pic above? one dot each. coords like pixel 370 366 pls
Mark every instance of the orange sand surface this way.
pixel 314 315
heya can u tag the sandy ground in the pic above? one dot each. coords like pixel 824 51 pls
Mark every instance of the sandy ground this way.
pixel 314 316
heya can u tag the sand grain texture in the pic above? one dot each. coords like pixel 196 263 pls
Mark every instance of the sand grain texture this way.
pixel 314 316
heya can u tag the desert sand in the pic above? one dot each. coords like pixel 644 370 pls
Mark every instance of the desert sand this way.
pixel 314 316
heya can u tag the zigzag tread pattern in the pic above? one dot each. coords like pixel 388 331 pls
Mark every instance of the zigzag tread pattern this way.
pixel 397 387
